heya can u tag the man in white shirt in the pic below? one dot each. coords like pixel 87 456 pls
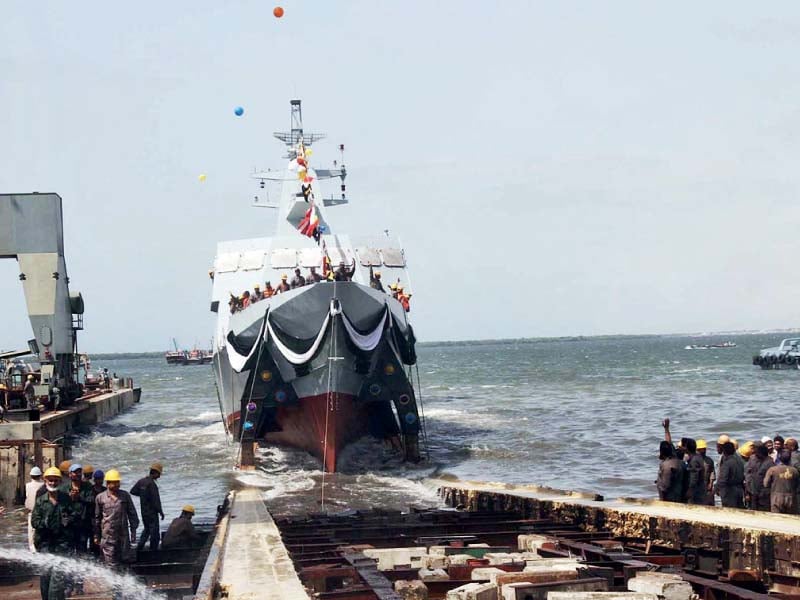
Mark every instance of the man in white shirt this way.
pixel 31 488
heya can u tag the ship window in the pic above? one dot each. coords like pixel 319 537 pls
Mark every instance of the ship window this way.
pixel 369 256
pixel 284 258
pixel 338 255
pixel 226 263
pixel 254 259
pixel 392 257
pixel 310 257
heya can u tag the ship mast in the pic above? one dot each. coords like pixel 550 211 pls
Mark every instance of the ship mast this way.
pixel 296 139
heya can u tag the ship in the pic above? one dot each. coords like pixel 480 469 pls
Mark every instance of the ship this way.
pixel 320 365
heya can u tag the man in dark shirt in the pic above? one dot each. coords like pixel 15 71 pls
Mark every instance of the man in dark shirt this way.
pixel 150 503
pixel 730 481
pixel 345 273
pixel 181 532
pixel 375 280
pixel 782 482
pixel 56 523
pixel 670 475
pixel 709 475
pixel 755 471
pixel 696 494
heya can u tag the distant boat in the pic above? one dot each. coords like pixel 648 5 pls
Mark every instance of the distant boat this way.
pixel 187 357
pixel 710 346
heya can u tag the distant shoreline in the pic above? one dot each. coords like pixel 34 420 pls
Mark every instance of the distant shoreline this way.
pixel 507 341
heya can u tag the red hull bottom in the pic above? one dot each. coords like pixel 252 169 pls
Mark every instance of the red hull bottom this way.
pixel 321 425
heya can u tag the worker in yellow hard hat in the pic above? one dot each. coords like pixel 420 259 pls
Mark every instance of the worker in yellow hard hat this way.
pixel 181 532
pixel 150 503
pixel 746 450
pixel 115 522
pixel 283 286
pixel 709 473
pixel 55 525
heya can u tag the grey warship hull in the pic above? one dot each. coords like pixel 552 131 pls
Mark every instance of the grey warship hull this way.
pixel 319 367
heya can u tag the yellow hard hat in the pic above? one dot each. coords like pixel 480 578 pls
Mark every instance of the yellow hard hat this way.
pixel 393 286
pixel 377 273
pixel 3 386
pixel 64 466
pixel 188 508
pixel 113 475
pixel 747 449
pixel 723 439
pixel 256 287
pixel 157 466
pixel 284 276
pixel 735 443
pixel 88 469
pixel 52 472
pixel 30 377
pixel 701 444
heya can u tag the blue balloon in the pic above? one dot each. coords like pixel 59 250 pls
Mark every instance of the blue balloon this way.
pixel 238 111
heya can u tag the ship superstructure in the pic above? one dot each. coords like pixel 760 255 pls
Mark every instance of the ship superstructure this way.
pixel 320 365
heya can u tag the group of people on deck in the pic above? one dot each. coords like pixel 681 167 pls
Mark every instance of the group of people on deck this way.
pixel 72 513
pixel 341 273
pixel 759 475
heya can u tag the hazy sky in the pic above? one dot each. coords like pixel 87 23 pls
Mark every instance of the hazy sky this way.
pixel 553 168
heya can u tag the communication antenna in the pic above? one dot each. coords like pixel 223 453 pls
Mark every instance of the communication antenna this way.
pixel 295 135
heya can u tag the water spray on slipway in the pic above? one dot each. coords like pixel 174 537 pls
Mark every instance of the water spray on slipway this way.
pixel 126 586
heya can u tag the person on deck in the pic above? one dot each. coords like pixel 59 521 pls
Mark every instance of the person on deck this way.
pixel 269 291
pixel 256 295
pixel 313 276
pixel 283 287
pixel 115 522
pixel 245 299
pixel 404 299
pixel 375 280
pixel 344 273
pixel 670 475
pixel 782 482
pixel 756 495
pixel 181 532
pixel 298 280
pixel 33 486
pixel 150 506
pixel 55 525
pixel 730 481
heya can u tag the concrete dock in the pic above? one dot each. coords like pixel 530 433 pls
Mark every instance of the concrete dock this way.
pixel 759 542
pixel 25 443
pixel 253 562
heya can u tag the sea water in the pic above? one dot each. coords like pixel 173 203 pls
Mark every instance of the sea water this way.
pixel 581 414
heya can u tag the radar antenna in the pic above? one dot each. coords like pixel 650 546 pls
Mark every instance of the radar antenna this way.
pixel 296 135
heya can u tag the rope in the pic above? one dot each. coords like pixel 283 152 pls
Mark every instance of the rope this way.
pixel 422 412
pixel 328 398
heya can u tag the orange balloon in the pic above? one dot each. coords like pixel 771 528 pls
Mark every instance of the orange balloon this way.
pixel 278 12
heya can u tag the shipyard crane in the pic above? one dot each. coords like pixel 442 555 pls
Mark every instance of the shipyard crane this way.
pixel 31 231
